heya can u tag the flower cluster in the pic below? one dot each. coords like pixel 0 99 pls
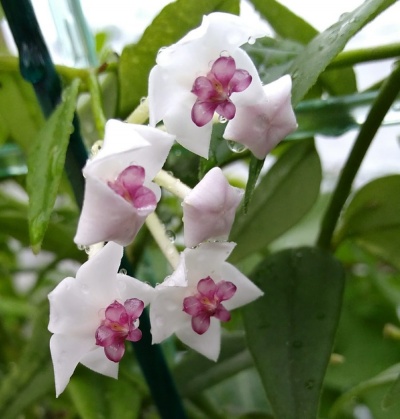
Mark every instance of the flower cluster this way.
pixel 92 315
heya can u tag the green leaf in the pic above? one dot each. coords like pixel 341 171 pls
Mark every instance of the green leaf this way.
pixel 137 59
pixel 324 47
pixel 283 197
pixel 46 165
pixel 96 396
pixel 20 117
pixel 372 219
pixel 290 330
pixel 194 373
pixel 393 395
pixel 290 26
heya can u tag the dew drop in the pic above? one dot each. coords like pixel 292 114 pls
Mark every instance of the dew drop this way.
pixel 96 147
pixel 81 247
pixel 171 236
pixel 143 99
pixel 236 147
pixel 251 40
pixel 161 50
pixel 85 288
pixel 224 53
pixel 222 119
pixel 123 271
pixel 344 16
pixel 396 107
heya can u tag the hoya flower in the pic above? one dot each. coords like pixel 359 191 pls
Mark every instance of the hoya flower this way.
pixel 262 125
pixel 205 72
pixel 119 194
pixel 93 314
pixel 209 209
pixel 200 294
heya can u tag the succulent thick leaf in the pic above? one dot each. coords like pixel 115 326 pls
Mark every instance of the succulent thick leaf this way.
pixel 46 165
pixel 290 330
pixel 372 219
pixel 285 194
pixel 137 59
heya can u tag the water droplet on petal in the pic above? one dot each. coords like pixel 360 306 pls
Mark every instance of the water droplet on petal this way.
pixel 224 53
pixel 123 271
pixel 161 50
pixel 143 99
pixel 236 147
pixel 80 247
pixel 222 119
pixel 251 40
pixel 171 236
pixel 85 288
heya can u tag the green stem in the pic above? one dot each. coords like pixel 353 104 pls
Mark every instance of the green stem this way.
pixel 96 103
pixel 382 104
pixel 363 55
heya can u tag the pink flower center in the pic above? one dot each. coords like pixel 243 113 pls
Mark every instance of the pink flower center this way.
pixel 207 303
pixel 129 185
pixel 119 325
pixel 213 91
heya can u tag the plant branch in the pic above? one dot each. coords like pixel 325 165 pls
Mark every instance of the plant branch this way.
pixel 380 107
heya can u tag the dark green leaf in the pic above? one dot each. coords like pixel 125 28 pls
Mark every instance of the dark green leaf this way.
pixel 283 197
pixel 46 165
pixel 290 330
pixel 195 373
pixel 372 219
pixel 290 26
pixel 137 59
pixel 324 47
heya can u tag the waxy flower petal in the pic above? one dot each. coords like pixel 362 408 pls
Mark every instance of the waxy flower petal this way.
pixel 178 91
pixel 181 289
pixel 119 194
pixel 209 209
pixel 264 124
pixel 78 307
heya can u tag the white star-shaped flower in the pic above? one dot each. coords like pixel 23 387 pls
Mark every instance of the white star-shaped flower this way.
pixel 119 194
pixel 92 315
pixel 199 295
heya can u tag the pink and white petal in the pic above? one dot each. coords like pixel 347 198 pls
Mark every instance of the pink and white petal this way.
pixel 203 88
pixel 207 287
pixel 192 306
pixel 166 312
pixel 115 351
pixel 240 81
pixel 209 209
pixel 203 112
pixel 178 121
pixel 106 216
pixel 246 291
pixel 97 361
pixel 225 290
pixel 263 125
pixel 129 287
pixel 114 311
pixel 226 109
pixel 223 70
pixel 208 344
pixel 134 335
pixel 206 260
pixel 66 353
pixel 201 323
pixel 222 314
pixel 152 158
pixel 134 307
pixel 104 336
pixel 120 137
